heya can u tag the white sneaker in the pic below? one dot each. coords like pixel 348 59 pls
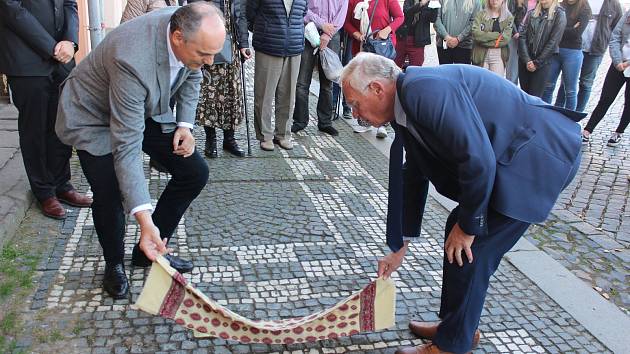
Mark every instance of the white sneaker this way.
pixel 381 133
pixel 361 129
pixel 615 139
pixel 361 126
pixel 267 145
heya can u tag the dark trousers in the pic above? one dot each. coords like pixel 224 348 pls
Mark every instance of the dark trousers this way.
pixel 345 57
pixel 612 84
pixel 325 102
pixel 46 158
pixel 406 49
pixel 464 288
pixel 188 177
pixel 455 55
pixel 533 82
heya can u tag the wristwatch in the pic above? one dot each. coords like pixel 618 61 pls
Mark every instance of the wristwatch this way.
pixel 76 47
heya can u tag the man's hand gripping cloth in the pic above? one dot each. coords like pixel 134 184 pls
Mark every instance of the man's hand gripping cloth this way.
pixel 168 294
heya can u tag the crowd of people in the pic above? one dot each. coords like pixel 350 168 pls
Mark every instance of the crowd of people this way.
pixel 530 42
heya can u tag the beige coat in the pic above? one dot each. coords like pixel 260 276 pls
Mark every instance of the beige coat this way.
pixel 136 8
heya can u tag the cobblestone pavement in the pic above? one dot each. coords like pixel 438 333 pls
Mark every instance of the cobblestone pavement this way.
pixel 279 234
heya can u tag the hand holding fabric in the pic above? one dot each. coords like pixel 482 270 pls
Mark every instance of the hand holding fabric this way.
pixel 150 242
pixel 388 264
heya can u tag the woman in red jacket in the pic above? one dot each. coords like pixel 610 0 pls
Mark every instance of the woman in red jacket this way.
pixel 387 18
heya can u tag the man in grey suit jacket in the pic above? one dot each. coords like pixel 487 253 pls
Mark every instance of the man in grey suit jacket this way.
pixel 115 105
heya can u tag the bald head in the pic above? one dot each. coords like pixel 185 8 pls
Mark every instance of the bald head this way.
pixel 189 19
pixel 197 34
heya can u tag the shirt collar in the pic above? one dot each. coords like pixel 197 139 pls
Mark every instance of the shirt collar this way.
pixel 172 59
pixel 399 112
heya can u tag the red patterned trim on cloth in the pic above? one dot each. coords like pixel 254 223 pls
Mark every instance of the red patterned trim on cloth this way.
pixel 174 297
pixel 366 317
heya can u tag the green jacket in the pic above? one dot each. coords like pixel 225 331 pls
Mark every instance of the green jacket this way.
pixel 483 38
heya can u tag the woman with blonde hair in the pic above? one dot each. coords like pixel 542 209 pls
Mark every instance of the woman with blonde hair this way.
pixel 491 32
pixel 539 39
pixel 453 26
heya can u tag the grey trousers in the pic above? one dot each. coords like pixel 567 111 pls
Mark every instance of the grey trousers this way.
pixel 274 82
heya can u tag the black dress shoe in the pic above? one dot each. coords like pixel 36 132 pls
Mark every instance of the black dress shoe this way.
pixel 157 166
pixel 329 130
pixel 138 259
pixel 296 128
pixel 115 281
pixel 180 264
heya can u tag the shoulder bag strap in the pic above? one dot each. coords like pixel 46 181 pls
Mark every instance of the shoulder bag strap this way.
pixel 370 22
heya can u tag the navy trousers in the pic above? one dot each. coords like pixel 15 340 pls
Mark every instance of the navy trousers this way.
pixel 464 288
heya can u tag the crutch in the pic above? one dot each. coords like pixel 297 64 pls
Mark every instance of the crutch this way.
pixel 342 46
pixel 249 146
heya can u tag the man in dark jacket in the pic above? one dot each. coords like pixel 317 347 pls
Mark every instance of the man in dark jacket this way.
pixel 504 173
pixel 38 40
pixel 278 27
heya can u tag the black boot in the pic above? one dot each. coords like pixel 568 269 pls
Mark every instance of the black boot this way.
pixel 211 142
pixel 230 145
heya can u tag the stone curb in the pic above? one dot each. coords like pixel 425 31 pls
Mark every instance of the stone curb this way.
pixel 15 194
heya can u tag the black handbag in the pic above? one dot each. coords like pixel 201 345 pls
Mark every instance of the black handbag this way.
pixel 382 47
pixel 226 55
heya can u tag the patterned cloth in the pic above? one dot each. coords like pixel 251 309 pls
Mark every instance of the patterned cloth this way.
pixel 168 294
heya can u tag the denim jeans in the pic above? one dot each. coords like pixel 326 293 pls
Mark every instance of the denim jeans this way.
pixel 569 61
pixel 590 64
pixel 511 68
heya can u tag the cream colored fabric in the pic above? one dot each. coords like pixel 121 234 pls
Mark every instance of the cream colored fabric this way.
pixel 167 293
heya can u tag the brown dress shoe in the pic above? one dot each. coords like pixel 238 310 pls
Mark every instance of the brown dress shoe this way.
pixel 427 330
pixel 74 198
pixel 429 348
pixel 53 209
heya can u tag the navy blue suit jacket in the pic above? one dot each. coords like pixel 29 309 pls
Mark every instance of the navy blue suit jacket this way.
pixel 482 142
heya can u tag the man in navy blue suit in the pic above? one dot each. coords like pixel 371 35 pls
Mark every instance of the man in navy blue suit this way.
pixel 503 155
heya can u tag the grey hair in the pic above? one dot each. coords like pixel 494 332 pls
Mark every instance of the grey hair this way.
pixel 366 68
pixel 187 19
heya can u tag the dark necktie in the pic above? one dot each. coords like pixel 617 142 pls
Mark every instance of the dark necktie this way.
pixel 395 190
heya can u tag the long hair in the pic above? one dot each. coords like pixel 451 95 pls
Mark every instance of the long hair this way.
pixel 469 5
pixel 504 12
pixel 552 9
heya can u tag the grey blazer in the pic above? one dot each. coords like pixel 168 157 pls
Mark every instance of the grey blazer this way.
pixel 125 80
